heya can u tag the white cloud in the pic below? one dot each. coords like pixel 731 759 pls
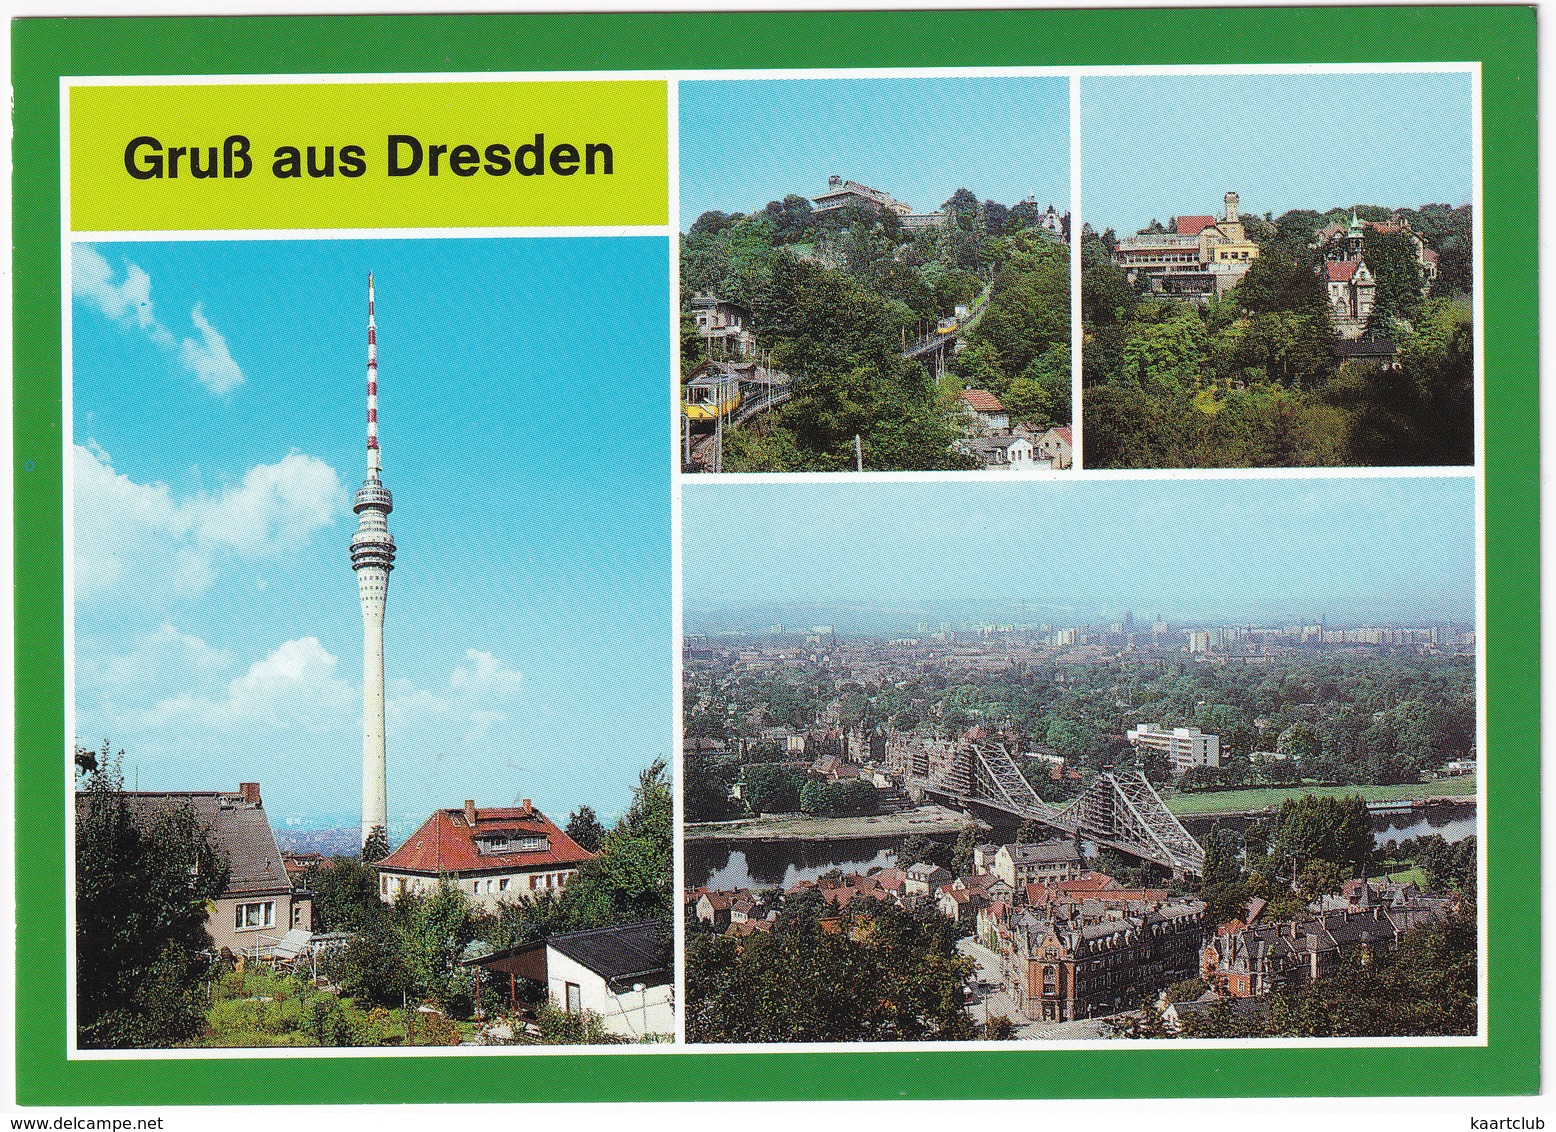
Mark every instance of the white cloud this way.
pixel 128 532
pixel 165 652
pixel 486 676
pixel 209 359
pixel 275 507
pixel 471 706
pixel 294 687
pixel 129 304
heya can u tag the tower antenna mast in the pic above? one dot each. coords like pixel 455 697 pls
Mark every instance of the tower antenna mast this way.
pixel 372 557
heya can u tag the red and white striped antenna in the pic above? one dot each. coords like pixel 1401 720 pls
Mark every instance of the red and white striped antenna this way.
pixel 373 466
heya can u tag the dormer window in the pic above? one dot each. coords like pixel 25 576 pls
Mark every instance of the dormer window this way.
pixel 490 844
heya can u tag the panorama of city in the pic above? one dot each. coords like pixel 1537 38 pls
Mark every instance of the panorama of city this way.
pixel 1114 759
pixel 1122 828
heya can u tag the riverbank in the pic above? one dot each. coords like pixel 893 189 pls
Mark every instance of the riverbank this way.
pixel 927 820
pixel 1248 803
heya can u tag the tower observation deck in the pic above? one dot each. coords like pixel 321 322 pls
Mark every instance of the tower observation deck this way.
pixel 372 557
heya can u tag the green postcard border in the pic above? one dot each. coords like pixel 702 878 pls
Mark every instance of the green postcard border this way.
pixel 1502 39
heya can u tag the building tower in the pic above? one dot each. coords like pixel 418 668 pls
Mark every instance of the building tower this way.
pixel 372 557
pixel 1230 200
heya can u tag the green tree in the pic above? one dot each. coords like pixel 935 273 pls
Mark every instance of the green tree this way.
pixel 1041 395
pixel 916 848
pixel 143 880
pixel 1423 411
pixel 345 895
pixel 771 788
pixel 1164 350
pixel 1321 878
pixel 1313 827
pixel 371 967
pixel 584 827
pixel 376 847
pixel 631 877
pixel 706 783
pixel 434 929
pixel 1392 258
pixel 962 852
pixel 879 973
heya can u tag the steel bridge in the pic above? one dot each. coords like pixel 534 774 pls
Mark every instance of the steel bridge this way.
pixel 1119 810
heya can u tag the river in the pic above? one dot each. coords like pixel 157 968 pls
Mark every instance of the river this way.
pixel 765 864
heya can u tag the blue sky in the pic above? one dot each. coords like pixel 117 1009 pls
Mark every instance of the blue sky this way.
pixel 218 431
pixel 1363 549
pixel 1167 146
pixel 746 142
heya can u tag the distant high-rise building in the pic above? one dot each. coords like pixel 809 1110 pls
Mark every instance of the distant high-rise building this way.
pixel 372 557
pixel 1183 747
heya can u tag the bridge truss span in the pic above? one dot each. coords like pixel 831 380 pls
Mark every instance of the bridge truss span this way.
pixel 1119 809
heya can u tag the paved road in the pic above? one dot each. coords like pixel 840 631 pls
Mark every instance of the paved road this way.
pixel 994 1000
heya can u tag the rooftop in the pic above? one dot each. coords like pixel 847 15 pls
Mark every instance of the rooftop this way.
pixel 238 825
pixel 446 842
pixel 621 955
pixel 981 401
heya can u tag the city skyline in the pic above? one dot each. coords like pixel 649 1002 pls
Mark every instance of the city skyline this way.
pixel 1354 550
pixel 744 142
pixel 217 625
pixel 1315 141
pixel 864 622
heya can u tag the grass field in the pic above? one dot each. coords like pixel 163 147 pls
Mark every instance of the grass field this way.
pixel 1237 801
pixel 1405 876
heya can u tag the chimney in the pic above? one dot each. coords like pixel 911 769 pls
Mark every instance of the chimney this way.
pixel 528 807
pixel 470 812
pixel 249 792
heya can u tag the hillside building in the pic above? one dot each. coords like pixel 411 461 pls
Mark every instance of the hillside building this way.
pixel 493 855
pixel 1198 258
pixel 724 327
pixel 261 903
pixel 841 194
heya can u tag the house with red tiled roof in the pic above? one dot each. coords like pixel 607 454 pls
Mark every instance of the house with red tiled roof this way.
pixel 507 853
pixel 986 407
pixel 1055 447
pixel 739 929
pixel 892 881
pixel 1351 293
pixel 1199 257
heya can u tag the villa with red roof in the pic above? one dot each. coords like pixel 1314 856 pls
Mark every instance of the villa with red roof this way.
pixel 986 407
pixel 1351 293
pixel 508 853
pixel 1199 257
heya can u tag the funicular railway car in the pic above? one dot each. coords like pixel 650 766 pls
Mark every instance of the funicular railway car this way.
pixel 710 393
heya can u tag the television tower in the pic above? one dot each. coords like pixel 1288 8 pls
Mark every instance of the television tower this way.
pixel 372 557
